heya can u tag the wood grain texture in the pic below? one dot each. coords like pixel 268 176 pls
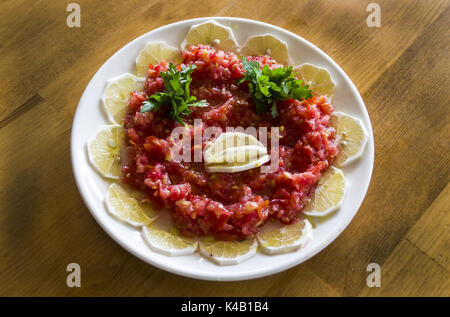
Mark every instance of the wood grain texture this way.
pixel 401 70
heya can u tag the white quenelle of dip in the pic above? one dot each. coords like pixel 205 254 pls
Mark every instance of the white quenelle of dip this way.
pixel 233 152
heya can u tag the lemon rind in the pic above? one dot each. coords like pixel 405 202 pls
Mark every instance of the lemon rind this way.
pixel 235 134
pixel 245 48
pixel 112 212
pixel 169 252
pixel 217 168
pixel 90 156
pixel 306 236
pixel 221 157
pixel 109 82
pixel 245 142
pixel 297 68
pixel 230 261
pixel 229 31
pixel 360 152
pixel 315 213
pixel 176 51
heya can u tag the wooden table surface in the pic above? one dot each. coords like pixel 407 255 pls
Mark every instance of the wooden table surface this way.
pixel 401 70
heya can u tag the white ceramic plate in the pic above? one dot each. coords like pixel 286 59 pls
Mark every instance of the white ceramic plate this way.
pixel 89 117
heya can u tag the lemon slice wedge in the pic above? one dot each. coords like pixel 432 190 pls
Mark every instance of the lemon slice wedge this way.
pixel 267 44
pixel 228 252
pixel 230 140
pixel 286 239
pixel 211 33
pixel 234 147
pixel 153 53
pixel 329 194
pixel 122 205
pixel 168 243
pixel 318 79
pixel 104 151
pixel 237 154
pixel 351 135
pixel 236 167
pixel 233 152
pixel 117 93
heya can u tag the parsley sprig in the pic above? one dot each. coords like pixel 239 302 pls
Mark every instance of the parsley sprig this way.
pixel 268 86
pixel 175 94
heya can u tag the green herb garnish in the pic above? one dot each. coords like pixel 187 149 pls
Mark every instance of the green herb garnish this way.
pixel 175 94
pixel 268 86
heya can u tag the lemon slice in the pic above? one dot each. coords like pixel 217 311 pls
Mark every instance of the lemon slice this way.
pixel 104 151
pixel 351 135
pixel 286 239
pixel 234 147
pixel 168 243
pixel 153 53
pixel 237 154
pixel 236 167
pixel 233 152
pixel 318 79
pixel 122 205
pixel 228 252
pixel 230 139
pixel 116 95
pixel 267 44
pixel 211 33
pixel 329 194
